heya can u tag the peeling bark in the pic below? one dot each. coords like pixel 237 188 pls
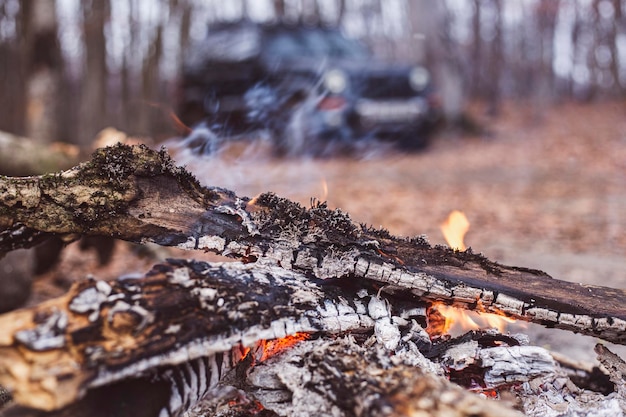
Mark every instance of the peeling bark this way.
pixel 136 194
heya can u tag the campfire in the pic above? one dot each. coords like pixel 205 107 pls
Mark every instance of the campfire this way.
pixel 446 319
pixel 319 315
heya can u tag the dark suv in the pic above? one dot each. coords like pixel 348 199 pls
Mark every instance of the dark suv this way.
pixel 304 83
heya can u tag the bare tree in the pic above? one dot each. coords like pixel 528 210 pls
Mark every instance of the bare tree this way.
pixel 433 46
pixel 43 68
pixel 12 71
pixel 93 97
pixel 279 9
pixel 495 62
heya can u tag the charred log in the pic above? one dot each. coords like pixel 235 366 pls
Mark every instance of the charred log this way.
pixel 616 368
pixel 104 332
pixel 186 328
pixel 136 194
pixel 340 377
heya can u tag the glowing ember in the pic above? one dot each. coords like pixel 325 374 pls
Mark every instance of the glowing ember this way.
pixel 269 348
pixel 444 319
pixel 454 229
pixel 179 125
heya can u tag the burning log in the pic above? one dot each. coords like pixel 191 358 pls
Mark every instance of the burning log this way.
pixel 136 194
pixel 339 377
pixel 293 346
pixel 101 333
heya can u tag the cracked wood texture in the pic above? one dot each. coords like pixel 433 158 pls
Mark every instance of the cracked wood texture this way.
pixel 322 377
pixel 136 194
pixel 102 332
pixel 158 344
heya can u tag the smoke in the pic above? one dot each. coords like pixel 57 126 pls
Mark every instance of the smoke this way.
pixel 282 155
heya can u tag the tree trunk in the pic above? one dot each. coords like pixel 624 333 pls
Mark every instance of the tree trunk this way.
pixel 44 68
pixel 93 97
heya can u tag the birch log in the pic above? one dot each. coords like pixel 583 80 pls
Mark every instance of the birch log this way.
pixel 139 195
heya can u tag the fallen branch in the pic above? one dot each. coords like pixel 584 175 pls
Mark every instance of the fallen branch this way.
pixel 136 194
pixel 104 332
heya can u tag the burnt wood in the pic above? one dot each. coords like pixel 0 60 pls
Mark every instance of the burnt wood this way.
pixel 156 345
pixel 343 378
pixel 136 194
pixel 101 333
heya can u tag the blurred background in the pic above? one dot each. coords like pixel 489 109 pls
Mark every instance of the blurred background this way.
pixel 69 68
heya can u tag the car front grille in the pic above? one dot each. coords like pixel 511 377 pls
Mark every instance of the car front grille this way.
pixel 384 88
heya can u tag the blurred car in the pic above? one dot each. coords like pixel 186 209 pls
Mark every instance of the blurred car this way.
pixel 304 83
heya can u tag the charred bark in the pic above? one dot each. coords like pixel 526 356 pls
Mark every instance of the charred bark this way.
pixel 170 342
pixel 136 194
pixel 159 343
pixel 340 377
pixel 101 333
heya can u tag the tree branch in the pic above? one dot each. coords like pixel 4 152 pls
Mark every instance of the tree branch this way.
pixel 136 194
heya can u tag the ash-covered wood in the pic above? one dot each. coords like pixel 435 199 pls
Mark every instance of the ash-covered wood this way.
pixel 136 194
pixel 616 368
pixel 341 378
pixel 103 332
pixel 158 343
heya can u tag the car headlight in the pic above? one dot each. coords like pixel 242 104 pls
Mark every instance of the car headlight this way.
pixel 419 78
pixel 335 81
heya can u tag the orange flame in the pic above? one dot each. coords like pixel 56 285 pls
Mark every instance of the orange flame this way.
pixel 443 319
pixel 324 190
pixel 454 229
pixel 269 348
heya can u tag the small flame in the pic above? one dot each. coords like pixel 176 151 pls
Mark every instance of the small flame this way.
pixel 324 190
pixel 454 229
pixel 443 319
pixel 269 348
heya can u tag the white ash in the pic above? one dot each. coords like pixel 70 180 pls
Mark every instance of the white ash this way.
pixel 47 335
pixel 511 364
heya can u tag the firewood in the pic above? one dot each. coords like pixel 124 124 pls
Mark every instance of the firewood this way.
pixel 154 345
pixel 616 368
pixel 322 377
pixel 137 194
pixel 104 332
pixel 185 326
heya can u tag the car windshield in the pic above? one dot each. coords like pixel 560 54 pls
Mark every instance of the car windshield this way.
pixel 313 43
